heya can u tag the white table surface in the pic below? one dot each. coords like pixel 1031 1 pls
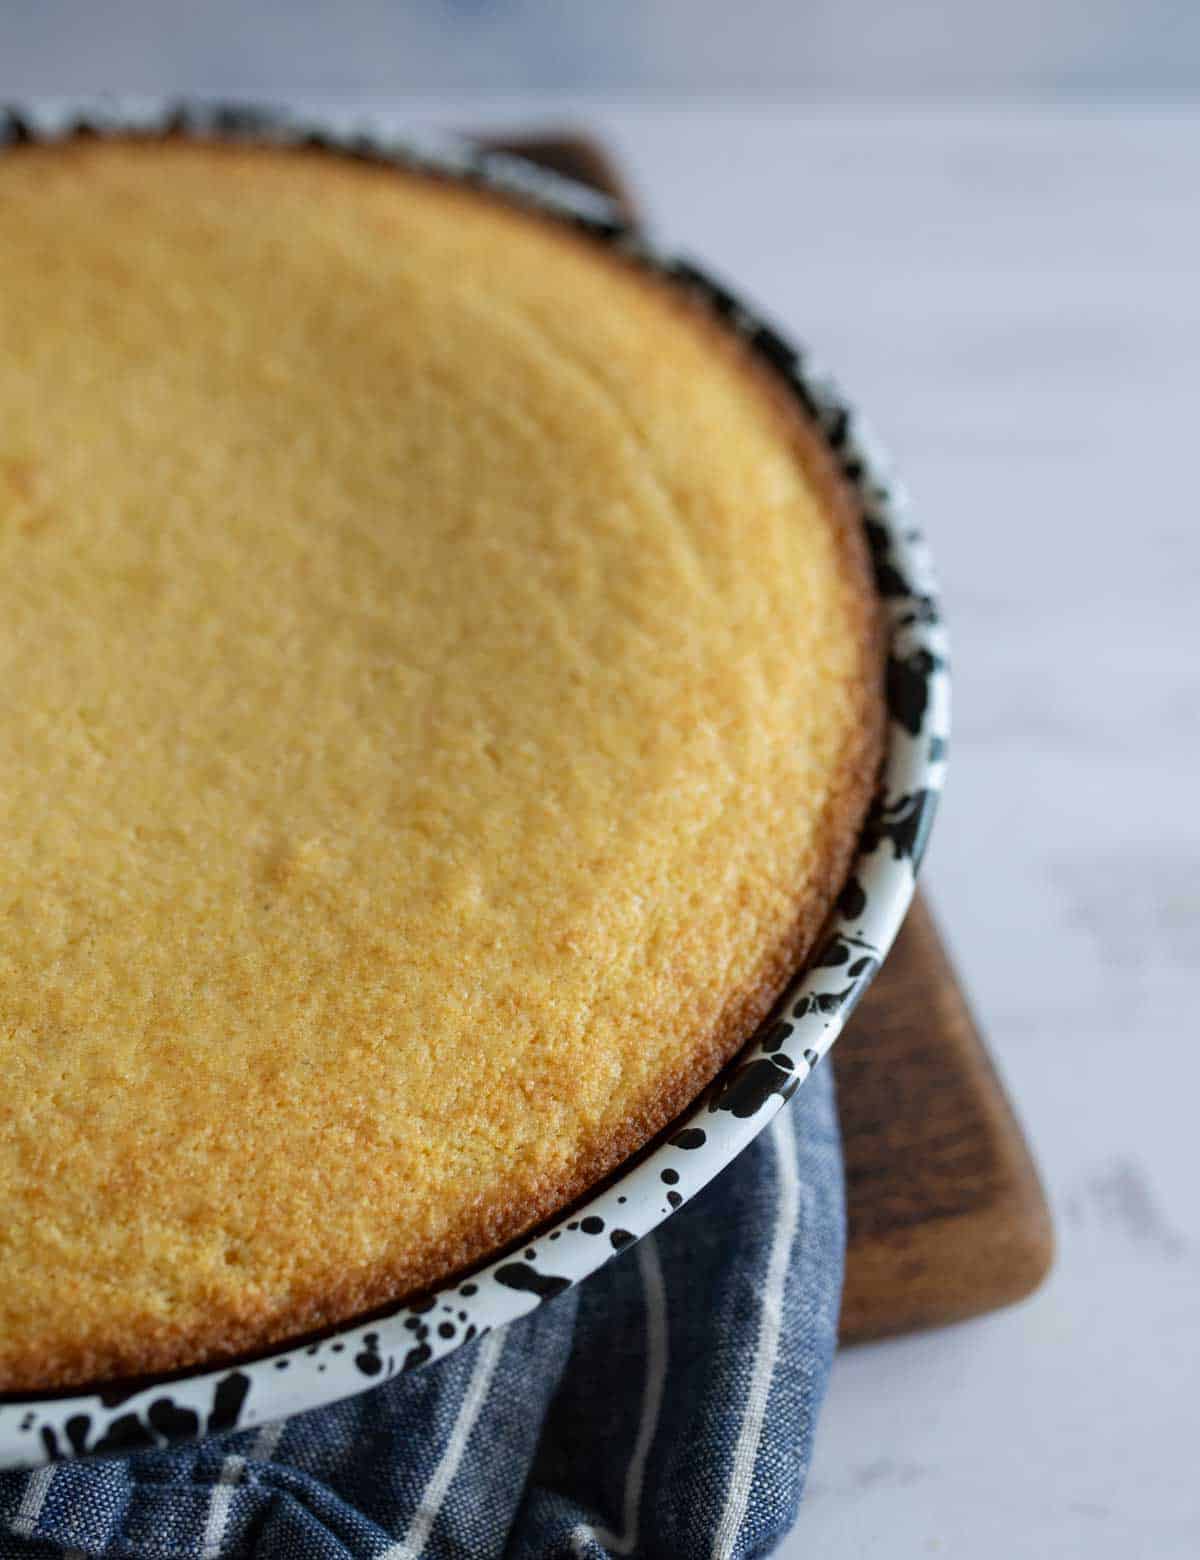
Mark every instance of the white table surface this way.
pixel 1015 296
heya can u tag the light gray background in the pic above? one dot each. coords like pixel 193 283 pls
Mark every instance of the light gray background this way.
pixel 1012 293
pixel 997 247
pixel 910 49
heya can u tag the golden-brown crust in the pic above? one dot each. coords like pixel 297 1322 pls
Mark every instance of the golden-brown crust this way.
pixel 491 1228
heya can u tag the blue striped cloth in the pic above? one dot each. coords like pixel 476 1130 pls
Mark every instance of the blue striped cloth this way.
pixel 664 1408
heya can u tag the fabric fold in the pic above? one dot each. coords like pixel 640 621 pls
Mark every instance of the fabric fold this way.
pixel 663 1409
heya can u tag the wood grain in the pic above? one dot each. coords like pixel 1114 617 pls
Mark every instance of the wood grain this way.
pixel 946 1215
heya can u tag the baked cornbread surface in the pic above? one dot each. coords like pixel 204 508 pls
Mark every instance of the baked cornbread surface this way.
pixel 441 692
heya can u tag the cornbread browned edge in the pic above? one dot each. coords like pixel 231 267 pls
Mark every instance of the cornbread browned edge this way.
pixel 223 1337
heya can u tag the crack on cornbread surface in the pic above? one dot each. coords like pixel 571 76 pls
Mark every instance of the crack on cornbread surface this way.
pixel 459 724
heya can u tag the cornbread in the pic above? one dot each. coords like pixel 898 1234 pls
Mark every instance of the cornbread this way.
pixel 441 693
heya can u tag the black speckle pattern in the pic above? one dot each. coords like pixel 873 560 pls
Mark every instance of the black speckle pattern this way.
pixel 368 1358
pixel 903 824
pixel 228 1400
pixel 868 911
pixel 835 952
pixel 751 1086
pixel 908 687
pixel 774 1036
pixel 520 1275
pixel 14 129
pixel 127 1433
pixel 239 120
pixel 852 901
pixel 920 610
pixel 114 1396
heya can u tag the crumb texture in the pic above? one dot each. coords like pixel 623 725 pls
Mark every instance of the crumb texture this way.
pixel 434 692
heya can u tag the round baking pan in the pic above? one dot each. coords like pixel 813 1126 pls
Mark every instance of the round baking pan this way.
pixel 117 1417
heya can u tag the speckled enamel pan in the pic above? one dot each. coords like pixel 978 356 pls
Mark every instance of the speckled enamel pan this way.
pixel 127 1416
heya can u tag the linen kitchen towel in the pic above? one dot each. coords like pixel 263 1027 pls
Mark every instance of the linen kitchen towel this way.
pixel 664 1408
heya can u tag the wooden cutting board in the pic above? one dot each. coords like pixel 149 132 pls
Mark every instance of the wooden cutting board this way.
pixel 946 1216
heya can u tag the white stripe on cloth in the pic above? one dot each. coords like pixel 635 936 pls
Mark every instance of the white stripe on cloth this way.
pixel 32 1502
pixel 267 1440
pixel 413 1542
pixel 770 1321
pixel 36 1490
pixel 232 1471
pixel 656 1379
pixel 219 1504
